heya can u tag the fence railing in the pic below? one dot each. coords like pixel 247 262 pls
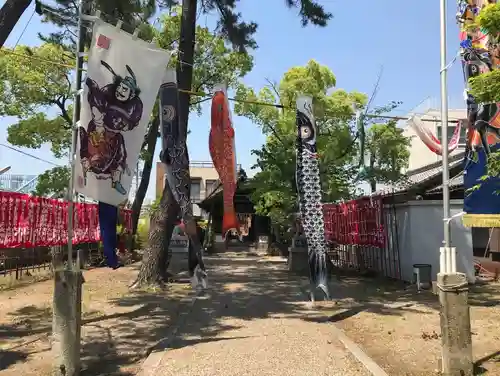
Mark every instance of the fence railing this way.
pixel 362 235
pixel 33 230
pixel 39 261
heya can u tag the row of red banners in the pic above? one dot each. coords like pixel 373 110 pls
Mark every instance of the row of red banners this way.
pixel 29 221
pixel 358 222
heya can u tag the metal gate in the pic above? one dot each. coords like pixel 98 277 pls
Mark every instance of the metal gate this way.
pixel 363 236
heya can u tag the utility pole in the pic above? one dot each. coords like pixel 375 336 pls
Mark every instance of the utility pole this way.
pixel 453 286
pixel 67 301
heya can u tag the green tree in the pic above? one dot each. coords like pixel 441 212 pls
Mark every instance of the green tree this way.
pixel 232 28
pixel 10 13
pixel 275 191
pixel 53 182
pixel 34 86
pixel 486 87
pixel 388 150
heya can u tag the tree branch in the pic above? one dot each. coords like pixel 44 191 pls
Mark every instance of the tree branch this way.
pixel 200 101
pixel 64 113
pixel 275 89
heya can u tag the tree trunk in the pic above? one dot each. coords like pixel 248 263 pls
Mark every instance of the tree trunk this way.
pixel 155 260
pixel 185 71
pixel 10 14
pixel 157 256
pixel 146 173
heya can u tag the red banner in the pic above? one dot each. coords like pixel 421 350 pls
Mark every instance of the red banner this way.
pixel 356 222
pixel 29 221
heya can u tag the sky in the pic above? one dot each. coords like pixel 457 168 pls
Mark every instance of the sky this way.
pixel 400 36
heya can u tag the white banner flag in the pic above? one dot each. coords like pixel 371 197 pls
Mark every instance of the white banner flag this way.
pixel 119 92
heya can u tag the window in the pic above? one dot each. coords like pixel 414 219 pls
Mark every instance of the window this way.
pixel 210 186
pixel 195 190
pixel 451 129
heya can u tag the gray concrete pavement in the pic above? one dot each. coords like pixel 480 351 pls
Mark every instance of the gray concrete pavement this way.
pixel 252 321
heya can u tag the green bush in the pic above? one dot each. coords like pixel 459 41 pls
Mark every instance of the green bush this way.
pixel 141 240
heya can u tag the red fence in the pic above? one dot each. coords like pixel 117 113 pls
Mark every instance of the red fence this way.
pixel 363 236
pixel 29 221
pixel 357 222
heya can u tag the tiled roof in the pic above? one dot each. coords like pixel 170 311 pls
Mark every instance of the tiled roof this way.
pixel 455 182
pixel 422 174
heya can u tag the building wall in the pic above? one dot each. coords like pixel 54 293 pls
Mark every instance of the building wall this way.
pixel 200 173
pixel 13 182
pixel 426 217
pixel 420 155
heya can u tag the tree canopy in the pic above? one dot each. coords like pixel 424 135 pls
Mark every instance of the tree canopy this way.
pixel 486 87
pixel 389 153
pixel 37 87
pixel 230 25
pixel 274 185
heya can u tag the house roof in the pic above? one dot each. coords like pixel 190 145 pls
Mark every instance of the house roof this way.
pixel 425 173
pixel 428 178
pixel 241 196
pixel 454 183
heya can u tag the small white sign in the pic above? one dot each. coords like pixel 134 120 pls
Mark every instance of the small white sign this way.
pixel 179 244
pixel 263 239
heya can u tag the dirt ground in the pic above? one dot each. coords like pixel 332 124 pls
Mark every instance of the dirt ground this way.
pixel 26 277
pixel 399 328
pixel 396 326
pixel 120 327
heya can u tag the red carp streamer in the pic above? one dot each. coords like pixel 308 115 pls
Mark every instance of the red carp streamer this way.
pixel 431 141
pixel 222 151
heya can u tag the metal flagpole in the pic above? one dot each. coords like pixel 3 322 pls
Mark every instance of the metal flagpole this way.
pixel 452 286
pixel 67 299
pixel 444 128
pixel 76 119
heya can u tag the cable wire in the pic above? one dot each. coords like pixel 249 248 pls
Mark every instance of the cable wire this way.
pixel 25 28
pixel 30 155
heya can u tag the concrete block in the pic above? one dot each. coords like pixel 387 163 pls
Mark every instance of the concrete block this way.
pixel 298 260
pixel 66 322
pixel 455 325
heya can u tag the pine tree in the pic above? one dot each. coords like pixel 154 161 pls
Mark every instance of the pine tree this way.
pixel 231 27
pixel 240 34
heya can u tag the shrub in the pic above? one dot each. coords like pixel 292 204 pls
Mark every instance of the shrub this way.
pixel 142 234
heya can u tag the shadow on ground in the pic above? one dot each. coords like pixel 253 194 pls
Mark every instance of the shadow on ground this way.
pixel 243 288
pixel 7 358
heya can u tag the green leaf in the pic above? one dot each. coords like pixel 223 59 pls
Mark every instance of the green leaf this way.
pixel 53 182
pixel 32 88
pixel 37 130
pixel 274 186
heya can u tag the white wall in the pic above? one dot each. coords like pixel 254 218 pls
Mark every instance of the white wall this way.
pixel 420 234
pixel 420 155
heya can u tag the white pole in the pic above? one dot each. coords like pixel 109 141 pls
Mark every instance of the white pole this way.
pixel 76 120
pixel 442 260
pixel 456 341
pixel 444 138
pixel 444 132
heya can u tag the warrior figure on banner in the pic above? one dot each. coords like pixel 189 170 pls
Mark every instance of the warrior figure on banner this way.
pixel 116 108
pixel 123 78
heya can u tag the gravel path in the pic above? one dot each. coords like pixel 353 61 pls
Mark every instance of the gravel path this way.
pixel 251 322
